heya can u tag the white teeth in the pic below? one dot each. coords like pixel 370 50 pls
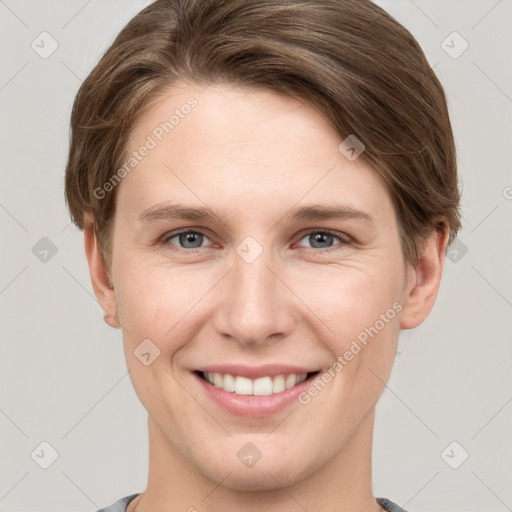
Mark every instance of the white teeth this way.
pixel 229 383
pixel 291 380
pixel 243 386
pixel 260 387
pixel 217 380
pixel 278 384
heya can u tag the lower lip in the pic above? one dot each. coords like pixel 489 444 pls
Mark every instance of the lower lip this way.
pixel 253 405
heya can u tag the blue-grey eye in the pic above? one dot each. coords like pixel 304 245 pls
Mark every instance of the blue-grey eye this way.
pixel 322 239
pixel 188 239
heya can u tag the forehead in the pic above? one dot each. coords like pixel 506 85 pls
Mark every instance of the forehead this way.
pixel 243 147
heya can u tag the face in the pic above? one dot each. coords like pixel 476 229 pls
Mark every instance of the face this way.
pixel 248 250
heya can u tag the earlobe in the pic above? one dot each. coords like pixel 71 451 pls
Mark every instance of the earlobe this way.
pixel 424 279
pixel 100 278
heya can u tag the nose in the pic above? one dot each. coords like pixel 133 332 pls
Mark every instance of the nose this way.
pixel 256 307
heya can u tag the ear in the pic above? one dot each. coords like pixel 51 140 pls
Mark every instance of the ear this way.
pixel 424 278
pixel 100 278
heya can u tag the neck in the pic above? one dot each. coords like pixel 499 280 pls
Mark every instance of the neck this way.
pixel 344 484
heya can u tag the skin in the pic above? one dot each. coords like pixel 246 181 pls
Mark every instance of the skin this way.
pixel 252 156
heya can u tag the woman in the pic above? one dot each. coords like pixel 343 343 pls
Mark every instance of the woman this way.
pixel 267 189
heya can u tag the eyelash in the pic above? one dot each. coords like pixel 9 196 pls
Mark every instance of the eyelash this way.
pixel 342 237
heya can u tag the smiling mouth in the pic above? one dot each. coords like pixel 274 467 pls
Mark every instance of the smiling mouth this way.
pixel 263 386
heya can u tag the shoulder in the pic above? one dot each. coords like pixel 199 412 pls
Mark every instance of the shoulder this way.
pixel 119 505
pixel 389 505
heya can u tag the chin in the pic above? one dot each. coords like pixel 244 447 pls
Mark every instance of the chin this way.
pixel 265 478
pixel 269 473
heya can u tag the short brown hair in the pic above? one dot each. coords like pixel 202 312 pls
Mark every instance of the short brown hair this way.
pixel 348 58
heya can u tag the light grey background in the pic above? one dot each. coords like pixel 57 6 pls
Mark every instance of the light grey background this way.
pixel 63 377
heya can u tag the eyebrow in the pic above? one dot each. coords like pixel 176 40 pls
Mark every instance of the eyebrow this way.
pixel 168 211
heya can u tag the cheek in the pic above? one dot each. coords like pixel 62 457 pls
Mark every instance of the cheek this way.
pixel 156 303
pixel 347 299
pixel 153 300
pixel 362 311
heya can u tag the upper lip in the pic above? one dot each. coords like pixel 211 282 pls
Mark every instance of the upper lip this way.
pixel 255 372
